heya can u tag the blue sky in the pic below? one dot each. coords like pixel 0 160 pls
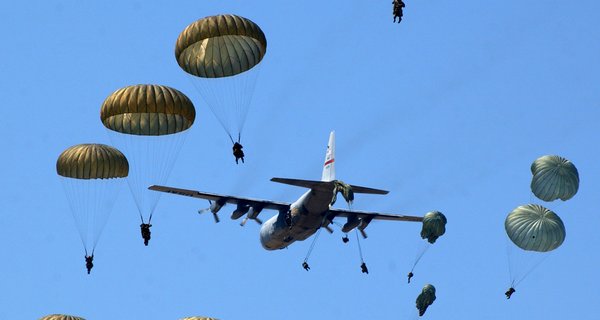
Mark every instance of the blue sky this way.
pixel 447 110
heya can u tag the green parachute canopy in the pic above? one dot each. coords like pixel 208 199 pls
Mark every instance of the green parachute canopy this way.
pixel 426 298
pixel 534 228
pixel 220 46
pixel 434 226
pixel 198 318
pixel 61 317
pixel 554 177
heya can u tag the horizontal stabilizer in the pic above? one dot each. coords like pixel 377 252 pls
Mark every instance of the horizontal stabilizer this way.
pixel 313 184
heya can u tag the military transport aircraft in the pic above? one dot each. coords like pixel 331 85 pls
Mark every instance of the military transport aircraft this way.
pixel 301 219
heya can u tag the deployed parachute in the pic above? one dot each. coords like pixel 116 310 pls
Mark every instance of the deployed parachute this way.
pixel 223 53
pixel 343 188
pixel 534 228
pixel 554 177
pixel 61 317
pixel 149 123
pixel 91 176
pixel 426 298
pixel 536 231
pixel 434 226
pixel 198 318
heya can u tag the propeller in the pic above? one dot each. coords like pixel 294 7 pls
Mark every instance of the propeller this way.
pixel 252 214
pixel 213 208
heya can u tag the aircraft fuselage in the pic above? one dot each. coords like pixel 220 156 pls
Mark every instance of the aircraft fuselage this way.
pixel 303 219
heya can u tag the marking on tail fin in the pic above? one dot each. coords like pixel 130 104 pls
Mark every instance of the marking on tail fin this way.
pixel 329 165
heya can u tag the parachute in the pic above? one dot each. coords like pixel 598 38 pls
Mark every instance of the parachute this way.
pixel 554 177
pixel 223 53
pixel 61 317
pixel 198 318
pixel 534 228
pixel 91 176
pixel 536 231
pixel 426 298
pixel 149 123
pixel 343 188
pixel 434 226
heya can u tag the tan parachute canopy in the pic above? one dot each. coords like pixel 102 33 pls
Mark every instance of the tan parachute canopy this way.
pixel 61 317
pixel 149 110
pixel 220 46
pixel 92 161
pixel 426 298
pixel 554 177
pixel 434 226
pixel 534 228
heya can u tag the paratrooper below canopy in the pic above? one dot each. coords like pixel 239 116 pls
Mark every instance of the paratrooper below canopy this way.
pixel 534 228
pixel 92 161
pixel 434 226
pixel 554 177
pixel 148 110
pixel 220 46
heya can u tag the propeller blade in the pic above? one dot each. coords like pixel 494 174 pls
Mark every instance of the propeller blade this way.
pixel 258 220
pixel 244 221
pixel 216 218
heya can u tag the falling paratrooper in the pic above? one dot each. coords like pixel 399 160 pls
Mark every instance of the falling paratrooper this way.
pixel 533 228
pixel 433 227
pixel 223 54
pixel 91 175
pixel 149 123
pixel 397 9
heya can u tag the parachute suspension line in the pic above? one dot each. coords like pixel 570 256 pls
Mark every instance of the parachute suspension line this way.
pixel 228 98
pixel 359 248
pixel 312 245
pixel 420 255
pixel 151 159
pixel 91 205
pixel 522 263
pixel 536 264
pixel 510 258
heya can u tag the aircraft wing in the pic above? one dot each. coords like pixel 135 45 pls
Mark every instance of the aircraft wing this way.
pixel 333 213
pixel 256 203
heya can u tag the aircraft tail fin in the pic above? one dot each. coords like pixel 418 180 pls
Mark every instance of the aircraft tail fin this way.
pixel 329 165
